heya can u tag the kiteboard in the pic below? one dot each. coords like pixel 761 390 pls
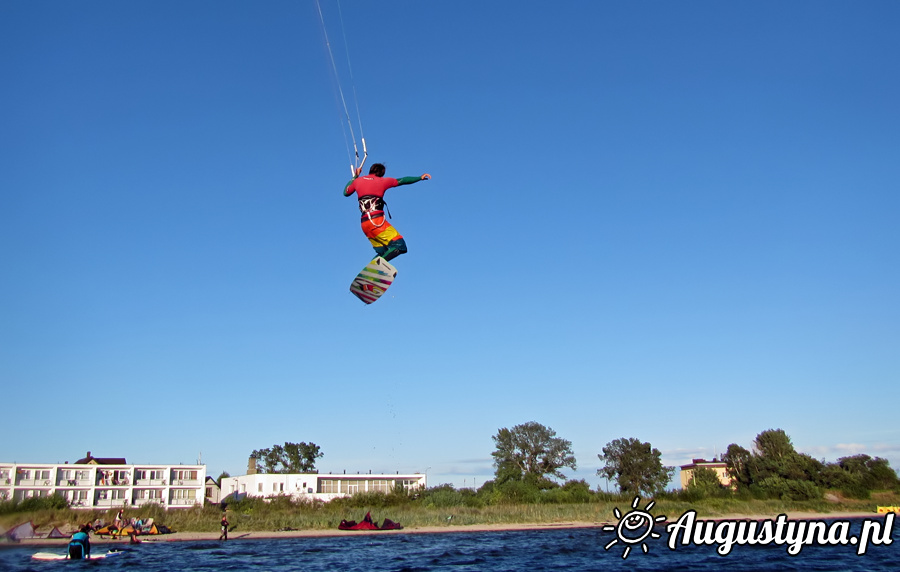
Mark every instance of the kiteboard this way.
pixel 55 556
pixel 374 280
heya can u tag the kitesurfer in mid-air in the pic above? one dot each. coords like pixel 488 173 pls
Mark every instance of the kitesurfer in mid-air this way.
pixel 370 189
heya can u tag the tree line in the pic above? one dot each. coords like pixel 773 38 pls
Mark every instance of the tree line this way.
pixel 532 455
pixel 773 468
pixel 529 460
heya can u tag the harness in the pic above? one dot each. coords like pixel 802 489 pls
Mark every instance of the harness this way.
pixel 371 205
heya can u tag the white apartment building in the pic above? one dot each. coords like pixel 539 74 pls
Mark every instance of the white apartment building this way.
pixel 314 486
pixel 105 486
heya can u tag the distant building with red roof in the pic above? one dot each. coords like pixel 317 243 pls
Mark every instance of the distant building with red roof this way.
pixel 91 460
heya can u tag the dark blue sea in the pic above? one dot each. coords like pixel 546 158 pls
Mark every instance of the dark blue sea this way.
pixel 557 549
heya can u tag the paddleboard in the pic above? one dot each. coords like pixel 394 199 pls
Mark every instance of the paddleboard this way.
pixel 55 556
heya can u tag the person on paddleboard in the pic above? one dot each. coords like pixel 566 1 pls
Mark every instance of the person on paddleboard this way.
pixel 370 189
pixel 80 545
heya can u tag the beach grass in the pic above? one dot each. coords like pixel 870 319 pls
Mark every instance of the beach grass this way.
pixel 284 514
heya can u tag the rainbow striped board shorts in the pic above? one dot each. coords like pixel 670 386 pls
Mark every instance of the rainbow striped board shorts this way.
pixel 379 234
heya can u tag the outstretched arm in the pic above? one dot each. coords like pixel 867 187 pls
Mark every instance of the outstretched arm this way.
pixel 411 180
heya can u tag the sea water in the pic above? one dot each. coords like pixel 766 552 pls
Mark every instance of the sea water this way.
pixel 532 550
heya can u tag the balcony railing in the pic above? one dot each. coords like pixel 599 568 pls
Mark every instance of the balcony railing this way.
pixel 182 502
pixel 34 483
pixel 113 482
pixel 143 501
pixel 110 502
pixel 74 483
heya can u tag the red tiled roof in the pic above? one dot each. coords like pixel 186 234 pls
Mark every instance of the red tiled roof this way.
pixel 91 460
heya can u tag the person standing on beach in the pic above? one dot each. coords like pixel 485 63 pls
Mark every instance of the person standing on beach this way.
pixel 224 535
pixel 119 521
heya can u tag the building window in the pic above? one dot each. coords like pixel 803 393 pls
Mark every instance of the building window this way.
pixel 409 484
pixel 259 487
pixel 380 485
pixel 76 497
pixel 184 475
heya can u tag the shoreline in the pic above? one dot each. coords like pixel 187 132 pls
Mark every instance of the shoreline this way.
pixel 319 533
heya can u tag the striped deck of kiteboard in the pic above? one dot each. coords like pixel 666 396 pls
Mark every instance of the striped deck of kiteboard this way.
pixel 374 279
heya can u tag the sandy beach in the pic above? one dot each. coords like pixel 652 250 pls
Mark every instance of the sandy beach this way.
pixel 238 535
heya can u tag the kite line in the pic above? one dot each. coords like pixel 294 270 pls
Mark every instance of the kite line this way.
pixel 356 162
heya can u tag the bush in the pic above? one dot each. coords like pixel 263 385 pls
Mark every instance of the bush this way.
pixel 514 492
pixel 856 490
pixel 571 492
pixel 446 496
pixel 789 489
pixel 34 504
pixel 705 483
pixel 371 500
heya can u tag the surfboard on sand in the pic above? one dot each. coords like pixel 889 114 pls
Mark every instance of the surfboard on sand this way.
pixel 374 280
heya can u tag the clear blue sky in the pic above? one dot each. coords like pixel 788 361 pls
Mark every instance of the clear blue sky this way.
pixel 670 221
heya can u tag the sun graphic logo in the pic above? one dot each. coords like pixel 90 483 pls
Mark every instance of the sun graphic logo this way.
pixel 634 527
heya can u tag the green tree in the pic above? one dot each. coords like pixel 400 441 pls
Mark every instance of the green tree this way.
pixel 705 482
pixel 531 452
pixel 636 467
pixel 872 473
pixel 738 463
pixel 224 475
pixel 774 456
pixel 775 469
pixel 775 445
pixel 287 458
